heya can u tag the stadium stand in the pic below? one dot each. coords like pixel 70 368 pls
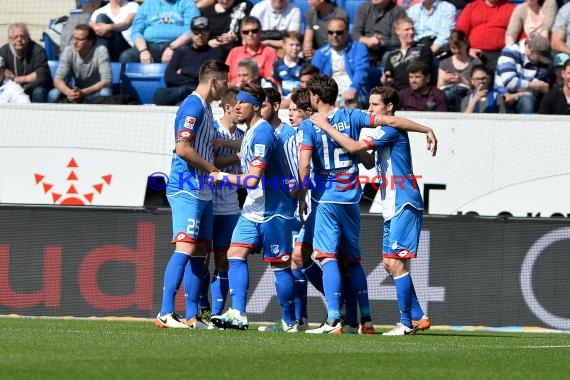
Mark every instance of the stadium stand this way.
pixel 142 79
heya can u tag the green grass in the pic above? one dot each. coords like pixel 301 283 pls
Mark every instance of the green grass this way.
pixel 32 348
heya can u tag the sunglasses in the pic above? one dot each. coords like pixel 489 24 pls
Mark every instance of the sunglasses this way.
pixel 335 32
pixel 250 31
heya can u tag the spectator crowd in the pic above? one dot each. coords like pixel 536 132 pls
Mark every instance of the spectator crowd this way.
pixel 490 56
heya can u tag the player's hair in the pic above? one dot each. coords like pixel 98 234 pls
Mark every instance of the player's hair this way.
pixel 404 19
pixel 292 34
pixel 302 98
pixel 230 96
pixel 388 94
pixel 459 37
pixel 418 66
pixel 251 65
pixel 212 68
pixel 480 67
pixel 566 64
pixel 254 90
pixel 250 20
pixel 91 36
pixel 273 95
pixel 19 25
pixel 325 87
pixel 308 69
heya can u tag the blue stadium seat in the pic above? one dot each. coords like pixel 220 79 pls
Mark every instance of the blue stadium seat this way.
pixel 142 79
pixel 374 74
pixel 351 7
pixel 304 6
pixel 116 68
pixel 49 46
pixel 53 65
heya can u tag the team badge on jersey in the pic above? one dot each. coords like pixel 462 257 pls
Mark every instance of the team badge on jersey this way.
pixel 189 122
pixel 259 150
pixel 275 248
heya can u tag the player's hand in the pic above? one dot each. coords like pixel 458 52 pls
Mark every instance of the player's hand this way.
pixel 218 143
pixel 431 142
pixel 320 120
pixel 302 208
pixel 214 177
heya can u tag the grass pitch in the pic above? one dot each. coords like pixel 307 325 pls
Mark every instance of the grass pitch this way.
pixel 35 348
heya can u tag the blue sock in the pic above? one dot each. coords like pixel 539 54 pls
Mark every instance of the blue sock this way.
pixel 203 299
pixel 300 294
pixel 360 289
pixel 193 274
pixel 332 287
pixel 238 277
pixel 285 287
pixel 172 279
pixel 314 274
pixel 404 294
pixel 350 305
pixel 417 311
pixel 220 287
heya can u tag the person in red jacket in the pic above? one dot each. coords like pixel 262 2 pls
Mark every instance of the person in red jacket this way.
pixel 485 23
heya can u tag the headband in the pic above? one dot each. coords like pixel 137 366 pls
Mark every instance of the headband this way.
pixel 243 96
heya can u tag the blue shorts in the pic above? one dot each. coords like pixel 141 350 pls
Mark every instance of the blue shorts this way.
pixel 305 236
pixel 274 236
pixel 192 219
pixel 223 229
pixel 402 234
pixel 337 227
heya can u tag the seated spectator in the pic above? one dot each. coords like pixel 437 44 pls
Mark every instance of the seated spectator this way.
pixel 183 70
pixel 77 17
pixel 482 97
pixel 159 28
pixel 530 18
pixel 558 63
pixel 396 71
pixel 276 17
pixel 26 63
pixel 248 72
pixel 88 64
pixel 557 100
pixel 454 73
pixel 265 56
pixel 286 70
pixel 561 30
pixel 224 17
pixel 485 23
pixel 346 61
pixel 434 20
pixel 10 91
pixel 522 74
pixel 316 20
pixel 420 95
pixel 112 24
pixel 407 4
pixel 373 28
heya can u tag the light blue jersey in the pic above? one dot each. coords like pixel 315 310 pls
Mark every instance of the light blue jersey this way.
pixel 394 165
pixel 262 148
pixel 194 123
pixel 335 170
pixel 225 197
pixel 163 21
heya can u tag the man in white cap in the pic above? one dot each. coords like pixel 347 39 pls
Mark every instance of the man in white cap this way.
pixel 10 91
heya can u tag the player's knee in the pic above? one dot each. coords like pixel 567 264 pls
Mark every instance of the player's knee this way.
pixel 221 261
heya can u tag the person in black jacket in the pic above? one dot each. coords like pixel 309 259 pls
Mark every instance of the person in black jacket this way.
pixel 557 100
pixel 182 72
pixel 26 63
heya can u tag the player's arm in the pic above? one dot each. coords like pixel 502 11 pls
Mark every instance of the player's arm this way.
pixel 250 180
pixel 408 126
pixel 366 159
pixel 352 146
pixel 225 161
pixel 185 149
pixel 305 178
pixel 232 144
